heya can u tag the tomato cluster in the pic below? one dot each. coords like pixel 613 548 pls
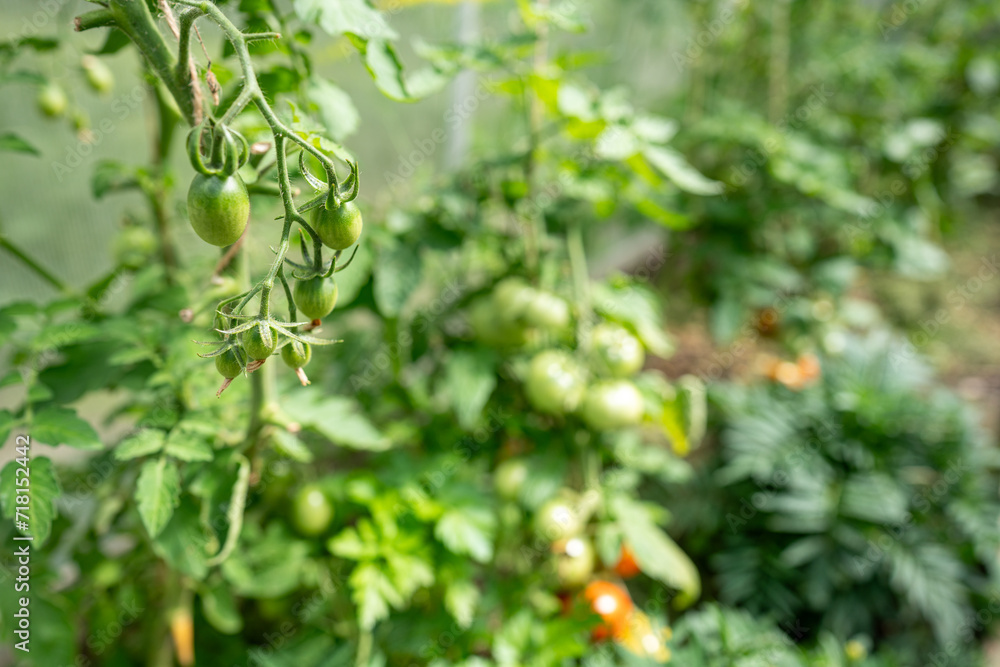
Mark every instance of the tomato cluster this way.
pixel 218 206
pixel 592 380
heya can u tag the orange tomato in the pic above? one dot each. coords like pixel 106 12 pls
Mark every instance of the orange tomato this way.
pixel 639 637
pixel 809 367
pixel 612 603
pixel 627 567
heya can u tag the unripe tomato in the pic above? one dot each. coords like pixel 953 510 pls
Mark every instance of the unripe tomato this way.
pixel 511 298
pixel 296 354
pixel 612 404
pixel 490 329
pixel 134 246
pixel 98 74
pixel 612 603
pixel 557 519
pixel 259 341
pixel 509 478
pixel 627 567
pixel 218 208
pixel 555 382
pixel 616 352
pixel 338 227
pixel 228 363
pixel 574 561
pixel 316 297
pixel 52 100
pixel 548 312
pixel 312 512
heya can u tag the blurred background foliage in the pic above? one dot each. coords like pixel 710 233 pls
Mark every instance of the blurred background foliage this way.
pixel 807 190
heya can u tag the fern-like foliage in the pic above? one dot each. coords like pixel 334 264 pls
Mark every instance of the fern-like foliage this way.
pixel 864 505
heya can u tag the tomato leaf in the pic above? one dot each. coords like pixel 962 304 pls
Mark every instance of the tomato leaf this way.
pixel 335 109
pixel 657 555
pixel 397 274
pixel 338 418
pixel 15 144
pixel 470 378
pixel 157 492
pixel 354 17
pixel 44 489
pixel 468 530
pixel 145 442
pixel 673 165
pixel 187 446
pixel 61 426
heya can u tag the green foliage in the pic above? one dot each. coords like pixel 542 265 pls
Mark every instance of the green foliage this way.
pixel 864 505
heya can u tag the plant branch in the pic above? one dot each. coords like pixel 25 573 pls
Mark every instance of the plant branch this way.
pixel 37 268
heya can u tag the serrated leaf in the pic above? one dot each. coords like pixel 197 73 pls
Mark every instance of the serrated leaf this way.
pixel 657 555
pixel 15 144
pixel 43 485
pixel 673 165
pixel 110 175
pixel 219 607
pixel 386 70
pixel 338 418
pixel 188 446
pixel 397 274
pixel 145 442
pixel 460 599
pixel 287 444
pixel 470 378
pixel 7 422
pixel 354 17
pixel 468 530
pixel 372 592
pixel 157 493
pixel 61 426
pixel 334 106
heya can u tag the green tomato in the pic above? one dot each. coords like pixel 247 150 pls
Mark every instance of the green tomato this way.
pixel 612 404
pixel 134 246
pixel 555 382
pixel 509 478
pixel 218 208
pixel 259 341
pixel 511 298
pixel 52 100
pixel 316 297
pixel 296 354
pixel 574 561
pixel 99 77
pixel 616 352
pixel 548 312
pixel 490 329
pixel 312 511
pixel 557 519
pixel 228 363
pixel 338 227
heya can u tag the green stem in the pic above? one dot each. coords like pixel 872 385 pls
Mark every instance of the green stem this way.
pixel 778 65
pixel 136 21
pixel 39 270
pixel 581 280
pixel 158 193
